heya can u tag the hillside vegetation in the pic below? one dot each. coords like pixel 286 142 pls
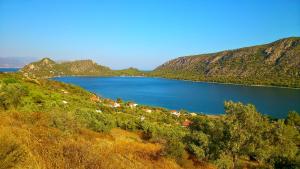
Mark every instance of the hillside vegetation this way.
pixel 47 68
pixel 276 64
pixel 49 124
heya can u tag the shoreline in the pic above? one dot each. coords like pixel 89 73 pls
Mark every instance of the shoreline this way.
pixel 195 81
pixel 199 113
pixel 190 111
pixel 236 84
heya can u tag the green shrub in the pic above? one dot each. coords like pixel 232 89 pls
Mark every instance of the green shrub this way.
pixel 10 80
pixel 11 94
pixel 174 148
pixel 293 119
pixel 224 162
pixel 100 122
pixel 197 151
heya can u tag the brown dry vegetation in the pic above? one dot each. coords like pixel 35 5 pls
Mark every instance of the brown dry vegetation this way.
pixel 34 144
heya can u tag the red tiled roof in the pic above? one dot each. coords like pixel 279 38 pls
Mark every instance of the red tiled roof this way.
pixel 186 123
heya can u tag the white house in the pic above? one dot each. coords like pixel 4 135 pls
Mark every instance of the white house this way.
pixel 175 113
pixel 193 114
pixel 115 105
pixel 132 105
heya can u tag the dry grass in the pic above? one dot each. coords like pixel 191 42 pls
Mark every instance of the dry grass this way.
pixel 34 144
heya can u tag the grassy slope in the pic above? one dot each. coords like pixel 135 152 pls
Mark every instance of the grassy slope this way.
pixel 276 64
pixel 41 131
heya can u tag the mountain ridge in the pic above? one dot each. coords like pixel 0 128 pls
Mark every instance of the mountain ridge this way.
pixel 276 63
pixel 273 64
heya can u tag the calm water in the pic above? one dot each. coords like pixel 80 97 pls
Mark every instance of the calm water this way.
pixel 9 69
pixel 193 96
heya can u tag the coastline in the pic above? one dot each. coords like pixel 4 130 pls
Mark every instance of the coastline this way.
pixel 199 110
pixel 210 82
pixel 236 84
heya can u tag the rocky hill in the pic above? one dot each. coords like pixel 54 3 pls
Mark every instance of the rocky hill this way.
pixel 276 63
pixel 46 68
pixel 49 68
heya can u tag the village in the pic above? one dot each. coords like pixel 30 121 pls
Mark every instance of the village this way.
pixel 142 110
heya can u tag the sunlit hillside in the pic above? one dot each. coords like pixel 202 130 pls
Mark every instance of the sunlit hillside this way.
pixel 49 124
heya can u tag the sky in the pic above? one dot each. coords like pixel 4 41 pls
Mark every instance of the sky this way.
pixel 139 33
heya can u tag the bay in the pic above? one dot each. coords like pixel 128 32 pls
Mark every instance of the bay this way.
pixel 199 97
pixel 9 69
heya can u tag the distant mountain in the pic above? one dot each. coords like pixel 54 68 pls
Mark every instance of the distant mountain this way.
pixel 46 68
pixel 129 72
pixel 49 68
pixel 276 63
pixel 15 62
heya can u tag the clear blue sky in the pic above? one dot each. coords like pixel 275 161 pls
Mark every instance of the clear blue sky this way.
pixel 140 33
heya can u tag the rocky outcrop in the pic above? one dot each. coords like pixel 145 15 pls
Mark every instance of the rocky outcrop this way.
pixel 276 63
pixel 46 68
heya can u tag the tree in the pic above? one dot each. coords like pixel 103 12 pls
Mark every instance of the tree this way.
pixel 283 139
pixel 246 129
pixel 293 119
pixel 119 100
pixel 198 144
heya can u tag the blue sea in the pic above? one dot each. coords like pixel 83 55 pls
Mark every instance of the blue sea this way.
pixel 9 69
pixel 199 97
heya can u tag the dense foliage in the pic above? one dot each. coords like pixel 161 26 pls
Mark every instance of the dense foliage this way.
pixel 48 124
pixel 275 64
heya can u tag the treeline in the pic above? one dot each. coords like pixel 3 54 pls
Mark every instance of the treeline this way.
pixel 280 81
pixel 242 137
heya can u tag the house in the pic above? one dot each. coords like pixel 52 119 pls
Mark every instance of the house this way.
pixel 95 98
pixel 186 123
pixel 132 105
pixel 142 118
pixel 98 111
pixel 115 105
pixel 112 103
pixel 193 114
pixel 148 111
pixel 64 102
pixel 175 113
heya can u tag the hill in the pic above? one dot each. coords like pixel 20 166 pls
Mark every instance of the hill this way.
pixel 277 63
pixel 49 124
pixel 48 68
pixel 129 72
pixel 274 64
